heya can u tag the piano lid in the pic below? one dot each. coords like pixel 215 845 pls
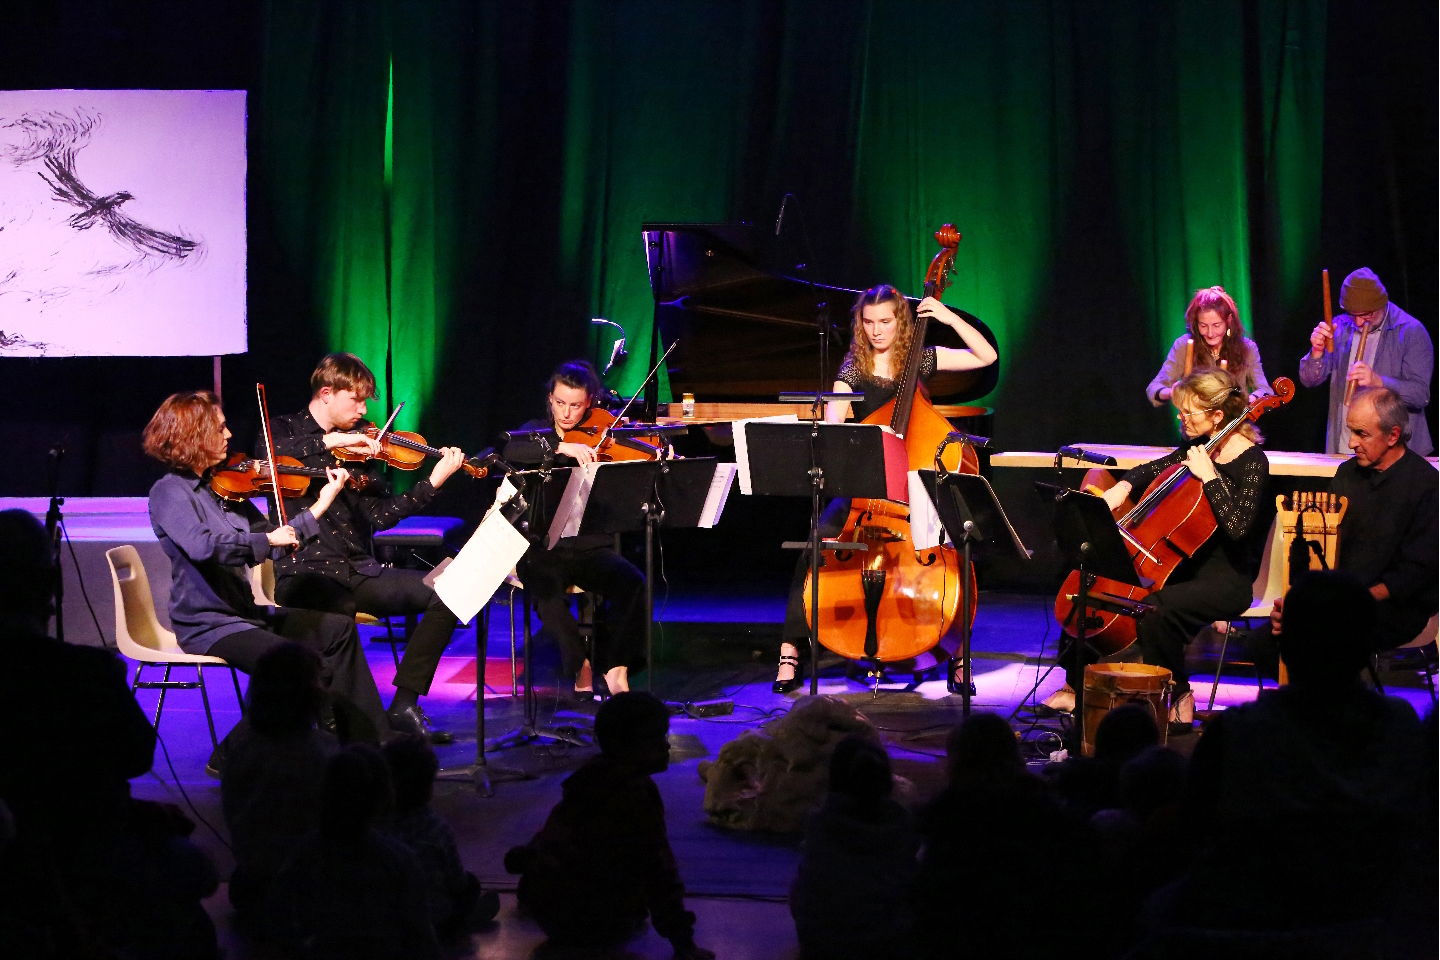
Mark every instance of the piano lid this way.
pixel 747 329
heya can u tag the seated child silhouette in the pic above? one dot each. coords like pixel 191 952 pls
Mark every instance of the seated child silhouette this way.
pixel 602 862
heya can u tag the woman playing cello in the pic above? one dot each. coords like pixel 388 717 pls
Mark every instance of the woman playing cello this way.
pixel 1215 582
pixel 881 327
pixel 1214 337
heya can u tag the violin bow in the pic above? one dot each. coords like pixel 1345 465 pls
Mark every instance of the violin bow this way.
pixel 380 437
pixel 270 451
pixel 621 415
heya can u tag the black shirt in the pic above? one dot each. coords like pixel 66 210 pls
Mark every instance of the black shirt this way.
pixel 342 550
pixel 878 390
pixel 1236 497
pixel 1389 532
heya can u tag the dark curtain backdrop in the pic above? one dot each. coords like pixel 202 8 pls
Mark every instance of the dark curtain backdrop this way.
pixel 452 189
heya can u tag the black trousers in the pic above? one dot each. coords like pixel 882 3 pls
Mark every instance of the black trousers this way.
pixel 392 593
pixel 343 670
pixel 1181 609
pixel 548 573
pixel 797 626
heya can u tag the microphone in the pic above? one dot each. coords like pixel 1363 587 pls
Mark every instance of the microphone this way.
pixel 617 349
pixel 57 452
pixel 781 218
pixel 1079 453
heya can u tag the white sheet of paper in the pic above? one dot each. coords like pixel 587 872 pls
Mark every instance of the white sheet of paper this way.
pixel 565 521
pixel 720 485
pixel 742 454
pixel 487 558
pixel 926 530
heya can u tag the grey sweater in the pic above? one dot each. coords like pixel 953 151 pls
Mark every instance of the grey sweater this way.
pixel 1254 380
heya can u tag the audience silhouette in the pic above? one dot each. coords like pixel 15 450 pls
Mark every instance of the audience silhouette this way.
pixel 90 870
pixel 851 898
pixel 609 828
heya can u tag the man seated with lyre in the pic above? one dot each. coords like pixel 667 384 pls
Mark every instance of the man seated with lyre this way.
pixel 1388 535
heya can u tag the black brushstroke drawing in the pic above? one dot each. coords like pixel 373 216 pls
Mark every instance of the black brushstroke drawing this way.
pixel 48 249
pixel 106 210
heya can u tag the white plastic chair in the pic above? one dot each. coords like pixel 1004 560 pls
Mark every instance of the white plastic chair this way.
pixel 141 638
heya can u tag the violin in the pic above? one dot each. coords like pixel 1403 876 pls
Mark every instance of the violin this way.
pixel 1170 522
pixel 614 439
pixel 404 450
pixel 892 602
pixel 241 478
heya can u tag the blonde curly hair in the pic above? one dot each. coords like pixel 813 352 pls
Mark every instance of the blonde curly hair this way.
pixel 1216 389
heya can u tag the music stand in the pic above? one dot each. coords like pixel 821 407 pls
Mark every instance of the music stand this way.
pixel 1090 541
pixel 643 495
pixel 972 515
pixel 855 460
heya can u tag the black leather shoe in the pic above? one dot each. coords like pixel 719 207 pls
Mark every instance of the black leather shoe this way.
pixel 955 678
pixel 785 686
pixel 413 720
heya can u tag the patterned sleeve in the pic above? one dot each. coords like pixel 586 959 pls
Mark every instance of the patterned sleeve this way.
pixel 1236 504
pixel 1142 476
pixel 850 373
pixel 927 363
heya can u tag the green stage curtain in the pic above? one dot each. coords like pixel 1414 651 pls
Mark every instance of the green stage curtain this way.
pixel 1102 161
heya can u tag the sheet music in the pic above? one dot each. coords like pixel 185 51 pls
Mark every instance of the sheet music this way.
pixel 720 485
pixel 926 530
pixel 742 455
pixel 565 521
pixel 487 558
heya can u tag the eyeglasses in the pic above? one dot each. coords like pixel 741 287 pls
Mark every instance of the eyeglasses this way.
pixel 1183 415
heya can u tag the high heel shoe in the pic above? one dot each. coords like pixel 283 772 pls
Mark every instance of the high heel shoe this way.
pixel 1182 715
pixel 785 686
pixel 955 677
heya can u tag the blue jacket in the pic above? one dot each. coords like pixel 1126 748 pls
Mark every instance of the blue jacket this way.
pixel 1404 360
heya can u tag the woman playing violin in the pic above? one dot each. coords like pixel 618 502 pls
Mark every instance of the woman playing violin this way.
pixel 1212 324
pixel 211 541
pixel 1215 583
pixel 881 325
pixel 588 562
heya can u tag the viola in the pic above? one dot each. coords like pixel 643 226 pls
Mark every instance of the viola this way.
pixel 404 450
pixel 614 439
pixel 241 478
pixel 892 602
pixel 1170 522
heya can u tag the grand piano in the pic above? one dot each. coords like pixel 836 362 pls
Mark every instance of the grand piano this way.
pixel 747 328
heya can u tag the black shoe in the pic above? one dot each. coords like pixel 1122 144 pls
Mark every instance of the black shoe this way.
pixel 785 686
pixel 413 720
pixel 954 678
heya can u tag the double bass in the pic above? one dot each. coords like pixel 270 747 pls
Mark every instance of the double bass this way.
pixel 893 602
pixel 1170 522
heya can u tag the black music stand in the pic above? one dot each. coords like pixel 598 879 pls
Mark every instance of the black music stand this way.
pixel 643 495
pixel 796 459
pixel 1090 541
pixel 970 512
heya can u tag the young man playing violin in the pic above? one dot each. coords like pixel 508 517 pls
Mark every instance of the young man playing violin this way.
pixel 337 571
pixel 589 562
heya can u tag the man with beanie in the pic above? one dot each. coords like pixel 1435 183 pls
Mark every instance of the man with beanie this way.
pixel 1398 354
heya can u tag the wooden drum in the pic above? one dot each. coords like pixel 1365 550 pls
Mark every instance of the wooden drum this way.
pixel 1111 685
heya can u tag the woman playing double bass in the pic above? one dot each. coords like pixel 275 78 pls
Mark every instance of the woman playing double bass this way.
pixel 881 327
pixel 1215 582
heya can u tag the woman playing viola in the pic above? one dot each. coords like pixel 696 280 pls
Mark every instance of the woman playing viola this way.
pixel 210 543
pixel 881 329
pixel 1215 583
pixel 1213 325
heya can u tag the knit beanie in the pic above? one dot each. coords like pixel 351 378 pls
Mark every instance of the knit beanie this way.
pixel 1363 292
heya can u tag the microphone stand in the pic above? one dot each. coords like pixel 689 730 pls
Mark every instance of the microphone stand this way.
pixel 55 531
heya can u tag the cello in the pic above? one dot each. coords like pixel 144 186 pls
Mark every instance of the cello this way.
pixel 1170 522
pixel 891 602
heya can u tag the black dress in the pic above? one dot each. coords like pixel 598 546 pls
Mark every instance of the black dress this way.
pixel 878 392
pixel 1216 583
